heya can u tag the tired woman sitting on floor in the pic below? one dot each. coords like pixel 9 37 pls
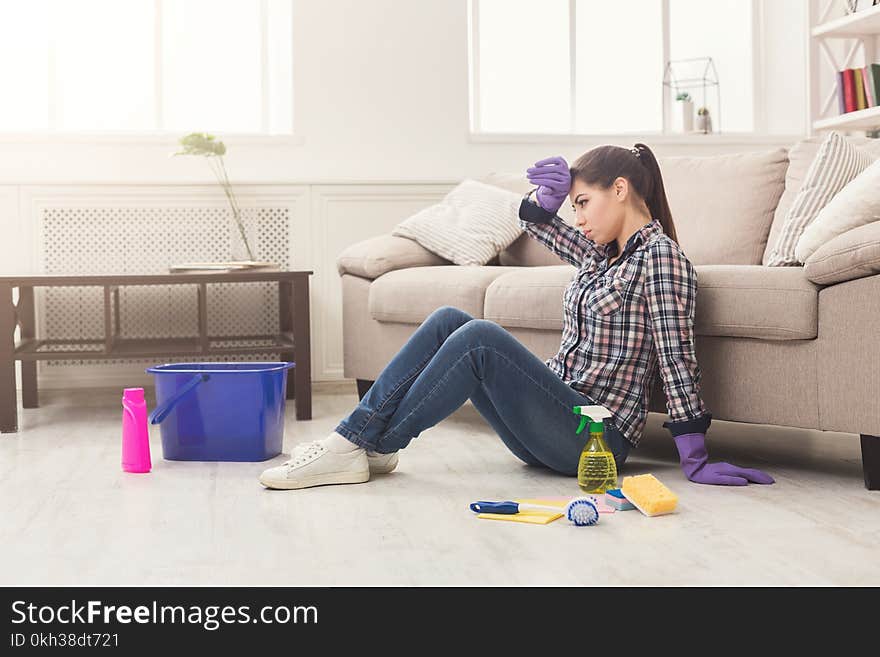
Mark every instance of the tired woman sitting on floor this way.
pixel 628 312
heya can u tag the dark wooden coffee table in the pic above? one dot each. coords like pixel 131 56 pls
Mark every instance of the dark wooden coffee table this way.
pixel 292 341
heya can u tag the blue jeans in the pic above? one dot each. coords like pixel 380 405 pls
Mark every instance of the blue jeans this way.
pixel 453 357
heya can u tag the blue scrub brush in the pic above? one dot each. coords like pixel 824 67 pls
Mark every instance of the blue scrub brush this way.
pixel 582 511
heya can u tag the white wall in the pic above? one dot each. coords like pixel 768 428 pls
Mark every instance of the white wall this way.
pixel 381 94
pixel 785 62
pixel 381 98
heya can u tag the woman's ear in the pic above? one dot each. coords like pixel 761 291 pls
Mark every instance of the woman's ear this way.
pixel 621 188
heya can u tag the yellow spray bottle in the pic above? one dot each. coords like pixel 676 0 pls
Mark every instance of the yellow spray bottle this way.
pixel 597 470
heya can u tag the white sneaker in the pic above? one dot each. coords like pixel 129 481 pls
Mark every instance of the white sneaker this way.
pixel 381 463
pixel 312 464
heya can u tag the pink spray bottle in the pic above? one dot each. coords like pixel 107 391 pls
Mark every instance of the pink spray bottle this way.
pixel 135 434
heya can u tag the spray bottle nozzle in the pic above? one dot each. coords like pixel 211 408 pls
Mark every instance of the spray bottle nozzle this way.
pixel 595 415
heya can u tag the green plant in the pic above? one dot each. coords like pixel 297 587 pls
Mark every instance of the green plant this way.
pixel 208 146
pixel 684 95
pixel 703 110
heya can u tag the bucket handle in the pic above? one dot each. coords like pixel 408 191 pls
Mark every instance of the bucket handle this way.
pixel 162 411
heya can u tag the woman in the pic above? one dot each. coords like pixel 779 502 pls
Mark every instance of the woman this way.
pixel 628 311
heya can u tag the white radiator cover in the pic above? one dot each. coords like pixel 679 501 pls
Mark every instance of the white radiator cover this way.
pixel 130 239
pixel 107 227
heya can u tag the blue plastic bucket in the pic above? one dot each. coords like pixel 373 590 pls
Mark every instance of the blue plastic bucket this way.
pixel 220 411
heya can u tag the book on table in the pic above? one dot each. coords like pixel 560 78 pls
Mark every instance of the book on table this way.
pixel 230 265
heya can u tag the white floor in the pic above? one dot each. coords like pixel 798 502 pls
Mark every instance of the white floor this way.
pixel 71 516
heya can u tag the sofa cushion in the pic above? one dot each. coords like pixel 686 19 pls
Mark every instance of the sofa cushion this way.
pixel 375 256
pixel 773 303
pixel 723 205
pixel 749 301
pixel 800 157
pixel 854 254
pixel 529 252
pixel 410 295
pixel 530 297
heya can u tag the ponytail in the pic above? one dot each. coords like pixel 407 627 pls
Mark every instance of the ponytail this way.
pixel 656 198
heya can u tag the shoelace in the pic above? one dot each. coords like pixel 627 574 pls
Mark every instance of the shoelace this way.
pixel 302 446
pixel 304 453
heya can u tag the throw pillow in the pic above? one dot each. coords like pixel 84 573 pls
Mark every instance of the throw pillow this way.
pixel 471 225
pixel 855 205
pixel 800 156
pixel 837 162
pixel 854 254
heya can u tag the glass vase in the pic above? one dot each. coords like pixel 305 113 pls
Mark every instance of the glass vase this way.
pixel 242 237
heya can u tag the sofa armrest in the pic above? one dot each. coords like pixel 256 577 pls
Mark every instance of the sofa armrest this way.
pixel 853 254
pixel 378 255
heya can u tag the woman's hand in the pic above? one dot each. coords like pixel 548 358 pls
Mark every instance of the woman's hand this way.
pixel 553 179
pixel 695 465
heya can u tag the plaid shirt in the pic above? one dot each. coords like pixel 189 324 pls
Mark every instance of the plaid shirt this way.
pixel 623 320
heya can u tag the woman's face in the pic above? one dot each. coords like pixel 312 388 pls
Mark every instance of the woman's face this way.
pixel 599 212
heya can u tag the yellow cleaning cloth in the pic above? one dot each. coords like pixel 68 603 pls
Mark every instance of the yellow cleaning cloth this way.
pixel 534 517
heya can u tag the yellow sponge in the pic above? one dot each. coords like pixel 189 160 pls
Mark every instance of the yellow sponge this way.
pixel 648 495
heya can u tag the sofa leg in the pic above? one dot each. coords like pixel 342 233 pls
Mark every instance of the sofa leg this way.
pixel 871 461
pixel 363 387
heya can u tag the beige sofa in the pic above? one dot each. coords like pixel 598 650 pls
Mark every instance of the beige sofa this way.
pixel 792 346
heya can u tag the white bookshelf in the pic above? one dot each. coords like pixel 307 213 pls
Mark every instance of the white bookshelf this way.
pixel 837 40
pixel 866 21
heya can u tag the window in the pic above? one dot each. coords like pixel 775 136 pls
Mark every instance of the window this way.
pixel 597 67
pixel 106 66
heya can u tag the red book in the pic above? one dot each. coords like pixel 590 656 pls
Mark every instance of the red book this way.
pixel 849 90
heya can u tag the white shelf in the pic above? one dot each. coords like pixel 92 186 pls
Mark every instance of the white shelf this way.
pixel 864 22
pixel 859 35
pixel 866 119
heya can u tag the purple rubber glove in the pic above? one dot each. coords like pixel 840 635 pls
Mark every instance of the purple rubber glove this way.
pixel 695 465
pixel 553 179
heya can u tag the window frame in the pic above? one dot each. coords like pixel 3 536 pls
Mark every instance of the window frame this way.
pixel 757 136
pixel 159 135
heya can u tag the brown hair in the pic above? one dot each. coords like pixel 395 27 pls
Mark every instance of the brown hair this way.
pixel 600 166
